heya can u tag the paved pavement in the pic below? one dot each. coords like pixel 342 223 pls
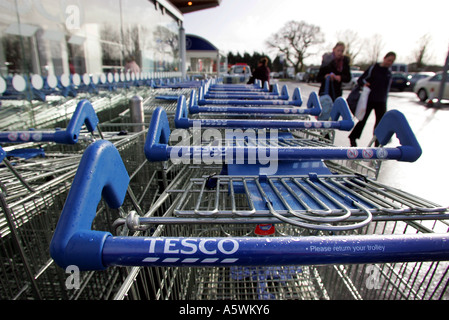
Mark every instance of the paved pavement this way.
pixel 428 177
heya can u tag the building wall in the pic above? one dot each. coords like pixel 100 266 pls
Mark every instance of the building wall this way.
pixel 55 37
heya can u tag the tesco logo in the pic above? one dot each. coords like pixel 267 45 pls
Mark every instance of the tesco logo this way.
pixel 193 246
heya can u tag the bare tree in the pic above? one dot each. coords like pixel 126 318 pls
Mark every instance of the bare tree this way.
pixel 374 47
pixel 353 42
pixel 169 41
pixel 111 46
pixel 294 40
pixel 131 43
pixel 421 54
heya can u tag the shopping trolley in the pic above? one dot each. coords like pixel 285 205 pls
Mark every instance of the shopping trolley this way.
pixel 257 86
pixel 21 146
pixel 177 84
pixel 287 108
pixel 247 99
pixel 165 97
pixel 274 94
pixel 212 87
pixel 317 132
pixel 177 87
pixel 218 85
pixel 300 130
pixel 340 109
pixel 35 179
pixel 320 133
pixel 330 228
pixel 84 114
pixel 36 174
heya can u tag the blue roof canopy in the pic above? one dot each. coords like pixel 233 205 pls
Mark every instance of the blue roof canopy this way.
pixel 196 43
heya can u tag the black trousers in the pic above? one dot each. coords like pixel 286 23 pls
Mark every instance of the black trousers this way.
pixel 379 108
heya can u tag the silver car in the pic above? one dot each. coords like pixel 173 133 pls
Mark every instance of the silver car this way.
pixel 355 75
pixel 429 87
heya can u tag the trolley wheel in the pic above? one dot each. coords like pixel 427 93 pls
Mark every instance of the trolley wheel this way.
pixel 422 95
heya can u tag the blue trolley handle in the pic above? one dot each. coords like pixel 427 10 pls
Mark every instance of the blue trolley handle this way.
pixel 266 87
pixel 395 122
pixel 340 109
pixel 275 94
pixel 274 251
pixel 249 101
pixel 84 114
pixel 157 149
pixel 313 107
pixel 2 154
pixel 210 87
pixel 101 173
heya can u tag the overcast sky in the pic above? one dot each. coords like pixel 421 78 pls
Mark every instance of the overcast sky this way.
pixel 245 25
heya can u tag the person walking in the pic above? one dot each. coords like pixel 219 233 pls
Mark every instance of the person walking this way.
pixel 336 66
pixel 379 82
pixel 262 72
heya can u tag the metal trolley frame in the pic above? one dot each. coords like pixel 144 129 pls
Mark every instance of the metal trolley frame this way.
pixel 208 235
pixel 39 167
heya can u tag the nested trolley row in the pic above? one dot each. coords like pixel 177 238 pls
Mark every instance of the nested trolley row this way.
pixel 212 202
pixel 37 171
pixel 226 227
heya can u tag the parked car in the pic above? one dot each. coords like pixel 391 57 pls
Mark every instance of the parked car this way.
pixel 413 78
pixel 399 81
pixel 238 73
pixel 424 87
pixel 355 75
pixel 311 73
pixel 274 75
pixel 300 76
pixel 240 69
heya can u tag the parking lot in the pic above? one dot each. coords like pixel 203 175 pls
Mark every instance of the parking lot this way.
pixel 428 177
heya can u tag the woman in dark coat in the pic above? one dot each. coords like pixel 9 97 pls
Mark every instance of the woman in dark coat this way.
pixel 379 82
pixel 262 72
pixel 335 65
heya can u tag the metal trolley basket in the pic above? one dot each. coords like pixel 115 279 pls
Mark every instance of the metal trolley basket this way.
pixel 37 171
pixel 38 167
pixel 235 231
